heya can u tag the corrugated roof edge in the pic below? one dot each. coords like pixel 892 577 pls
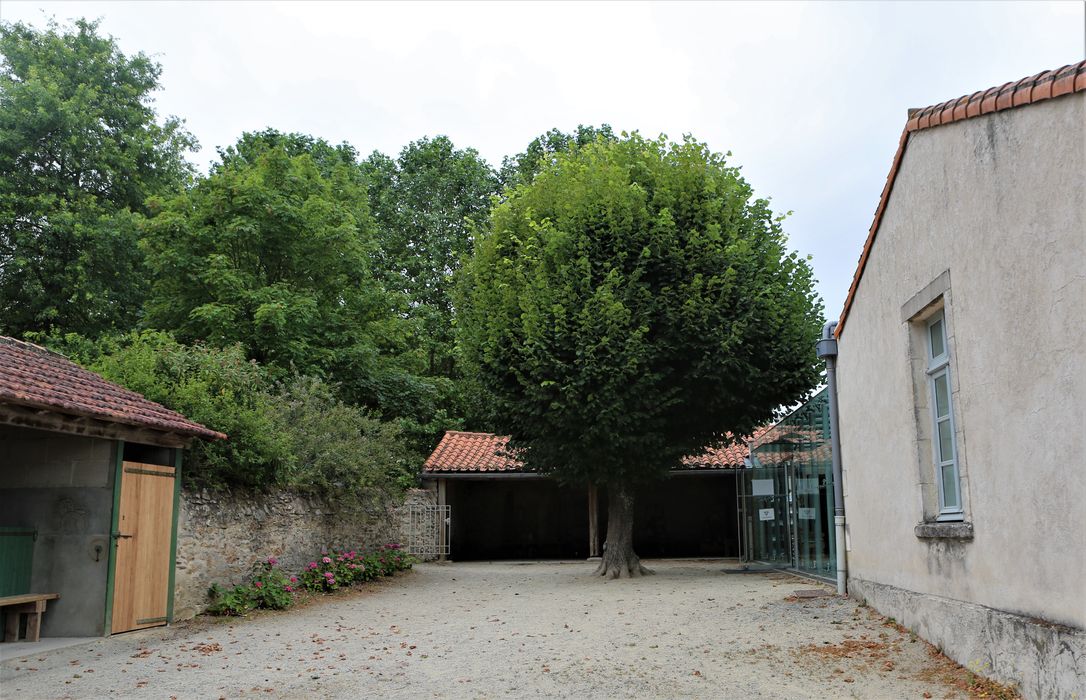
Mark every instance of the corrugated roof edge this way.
pixel 1042 86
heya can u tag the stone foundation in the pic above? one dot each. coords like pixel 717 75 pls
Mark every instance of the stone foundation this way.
pixel 221 535
pixel 1044 660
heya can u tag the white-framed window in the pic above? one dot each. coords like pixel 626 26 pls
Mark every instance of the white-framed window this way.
pixel 944 444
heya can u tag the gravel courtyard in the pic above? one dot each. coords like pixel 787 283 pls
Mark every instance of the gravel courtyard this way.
pixel 517 630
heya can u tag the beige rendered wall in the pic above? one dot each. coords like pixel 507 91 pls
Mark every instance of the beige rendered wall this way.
pixel 998 201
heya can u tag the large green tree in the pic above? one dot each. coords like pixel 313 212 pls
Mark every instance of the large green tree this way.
pixel 273 251
pixel 81 149
pixel 631 306
pixel 521 168
pixel 426 203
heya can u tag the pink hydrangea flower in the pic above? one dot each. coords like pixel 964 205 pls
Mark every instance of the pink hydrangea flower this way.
pixel 326 560
pixel 259 584
pixel 272 561
pixel 328 574
pixel 288 589
pixel 294 579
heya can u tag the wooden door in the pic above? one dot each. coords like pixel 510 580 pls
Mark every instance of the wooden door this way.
pixel 144 530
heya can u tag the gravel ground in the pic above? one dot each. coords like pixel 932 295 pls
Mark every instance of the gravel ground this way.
pixel 499 630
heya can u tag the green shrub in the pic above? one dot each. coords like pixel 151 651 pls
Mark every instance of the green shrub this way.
pixel 292 433
pixel 271 587
pixel 337 449
pixel 268 587
pixel 234 601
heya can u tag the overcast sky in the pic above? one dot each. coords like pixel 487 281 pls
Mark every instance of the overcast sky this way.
pixel 810 98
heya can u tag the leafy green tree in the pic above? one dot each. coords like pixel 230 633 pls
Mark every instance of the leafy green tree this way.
pixel 426 203
pixel 219 388
pixel 521 168
pixel 272 251
pixel 81 149
pixel 629 307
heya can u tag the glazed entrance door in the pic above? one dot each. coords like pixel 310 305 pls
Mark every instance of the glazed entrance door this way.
pixel 144 529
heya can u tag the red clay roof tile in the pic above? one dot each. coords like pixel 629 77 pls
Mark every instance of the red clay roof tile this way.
pixel 1042 86
pixel 461 451
pixel 38 378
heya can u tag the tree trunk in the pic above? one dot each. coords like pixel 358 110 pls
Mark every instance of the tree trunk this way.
pixel 619 559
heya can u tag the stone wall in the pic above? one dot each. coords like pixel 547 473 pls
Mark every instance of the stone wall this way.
pixel 221 535
pixel 1044 660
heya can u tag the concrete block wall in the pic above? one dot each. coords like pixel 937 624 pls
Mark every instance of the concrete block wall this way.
pixel 62 486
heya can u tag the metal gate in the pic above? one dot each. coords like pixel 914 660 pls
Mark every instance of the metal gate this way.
pixel 429 533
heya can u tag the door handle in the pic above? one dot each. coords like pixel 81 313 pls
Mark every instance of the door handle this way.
pixel 118 535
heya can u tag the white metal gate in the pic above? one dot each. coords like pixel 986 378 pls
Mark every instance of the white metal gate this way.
pixel 429 534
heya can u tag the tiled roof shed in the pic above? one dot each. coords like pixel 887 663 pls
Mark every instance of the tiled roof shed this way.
pixel 1036 88
pixel 478 453
pixel 42 389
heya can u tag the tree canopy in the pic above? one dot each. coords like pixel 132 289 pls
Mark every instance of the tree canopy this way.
pixel 426 203
pixel 81 149
pixel 521 168
pixel 270 252
pixel 629 307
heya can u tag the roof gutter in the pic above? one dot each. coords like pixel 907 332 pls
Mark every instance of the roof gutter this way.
pixel 826 348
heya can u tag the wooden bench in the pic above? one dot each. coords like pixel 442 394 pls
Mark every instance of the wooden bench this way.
pixel 30 604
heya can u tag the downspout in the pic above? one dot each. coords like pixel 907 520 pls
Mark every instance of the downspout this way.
pixel 826 349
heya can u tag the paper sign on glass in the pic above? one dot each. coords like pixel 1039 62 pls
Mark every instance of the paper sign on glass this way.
pixel 806 513
pixel 765 514
pixel 761 487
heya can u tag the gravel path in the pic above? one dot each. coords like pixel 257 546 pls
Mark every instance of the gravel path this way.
pixel 501 630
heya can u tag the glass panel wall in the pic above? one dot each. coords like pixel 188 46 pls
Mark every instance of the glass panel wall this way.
pixel 794 456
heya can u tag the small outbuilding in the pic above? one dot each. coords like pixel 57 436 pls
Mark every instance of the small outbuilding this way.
pixel 89 486
pixel 498 509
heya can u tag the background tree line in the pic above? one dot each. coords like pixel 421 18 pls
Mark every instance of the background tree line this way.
pixel 294 279
pixel 612 302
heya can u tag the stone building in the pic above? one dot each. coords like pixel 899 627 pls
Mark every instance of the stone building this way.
pixel 962 385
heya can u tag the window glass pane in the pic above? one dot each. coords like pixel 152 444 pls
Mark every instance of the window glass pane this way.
pixel 950 487
pixel 946 441
pixel 938 345
pixel 942 395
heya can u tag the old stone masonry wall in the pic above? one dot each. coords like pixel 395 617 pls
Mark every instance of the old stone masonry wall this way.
pixel 221 535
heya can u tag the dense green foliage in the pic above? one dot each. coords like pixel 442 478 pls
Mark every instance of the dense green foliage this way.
pixel 522 168
pixel 268 587
pixel 292 433
pixel 427 202
pixel 630 305
pixel 303 300
pixel 271 253
pixel 81 150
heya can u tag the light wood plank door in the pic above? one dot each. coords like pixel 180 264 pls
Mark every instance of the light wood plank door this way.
pixel 144 529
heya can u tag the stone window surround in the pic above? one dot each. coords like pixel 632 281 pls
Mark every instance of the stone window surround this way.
pixel 934 297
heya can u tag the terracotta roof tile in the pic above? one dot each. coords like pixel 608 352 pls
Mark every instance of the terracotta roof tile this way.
pixel 38 378
pixel 1042 86
pixel 461 451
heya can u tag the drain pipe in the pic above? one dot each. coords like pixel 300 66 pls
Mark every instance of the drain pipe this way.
pixel 827 350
